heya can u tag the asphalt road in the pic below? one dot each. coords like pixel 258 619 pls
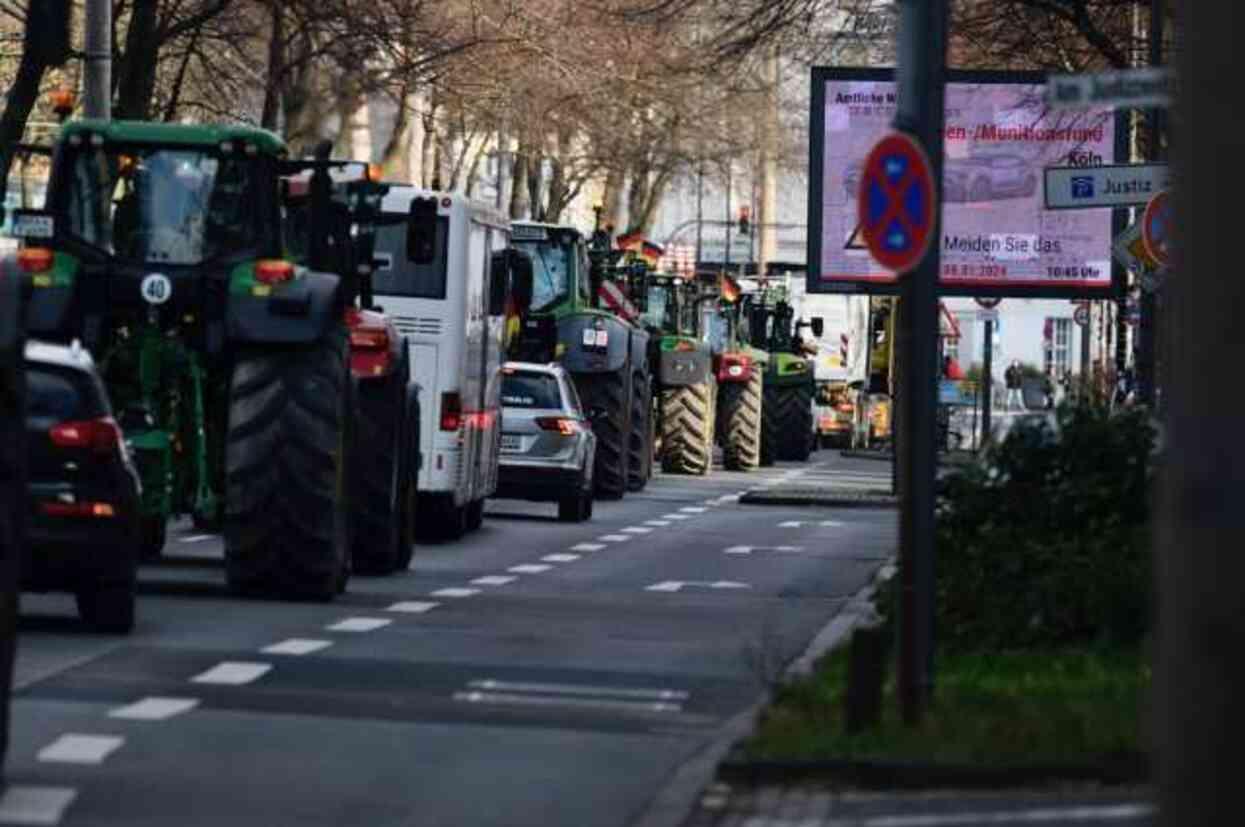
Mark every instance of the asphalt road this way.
pixel 536 673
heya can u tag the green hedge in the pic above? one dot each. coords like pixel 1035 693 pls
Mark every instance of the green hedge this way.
pixel 1044 541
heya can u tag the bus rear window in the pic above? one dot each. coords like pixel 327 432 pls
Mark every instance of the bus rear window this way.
pixel 396 274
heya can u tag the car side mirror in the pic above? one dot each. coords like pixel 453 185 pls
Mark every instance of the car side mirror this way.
pixel 819 326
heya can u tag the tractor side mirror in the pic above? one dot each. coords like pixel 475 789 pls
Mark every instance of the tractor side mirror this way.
pixel 499 283
pixel 421 231
pixel 818 325
pixel 521 279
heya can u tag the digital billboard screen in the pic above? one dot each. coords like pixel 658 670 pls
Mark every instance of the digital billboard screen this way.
pixel 997 237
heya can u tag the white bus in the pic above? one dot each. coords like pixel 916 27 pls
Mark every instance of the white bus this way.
pixel 441 276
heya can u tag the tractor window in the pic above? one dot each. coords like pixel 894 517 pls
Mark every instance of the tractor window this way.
pixel 161 205
pixel 551 263
pixel 397 274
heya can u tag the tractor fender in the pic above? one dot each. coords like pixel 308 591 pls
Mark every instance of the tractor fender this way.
pixel 581 358
pixel 681 368
pixel 299 312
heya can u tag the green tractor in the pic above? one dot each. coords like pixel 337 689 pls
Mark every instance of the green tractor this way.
pixel 682 362
pixel 739 368
pixel 788 380
pixel 165 252
pixel 581 317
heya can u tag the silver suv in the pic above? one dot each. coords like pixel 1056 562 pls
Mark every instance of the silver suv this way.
pixel 547 444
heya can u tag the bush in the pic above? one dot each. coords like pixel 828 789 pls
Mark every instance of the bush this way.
pixel 1044 541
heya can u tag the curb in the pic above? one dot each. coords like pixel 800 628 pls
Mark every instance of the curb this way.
pixel 917 775
pixel 811 497
pixel 673 803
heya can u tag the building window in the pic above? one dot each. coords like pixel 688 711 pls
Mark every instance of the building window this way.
pixel 1057 355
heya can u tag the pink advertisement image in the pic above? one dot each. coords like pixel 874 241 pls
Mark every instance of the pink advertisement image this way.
pixel 996 233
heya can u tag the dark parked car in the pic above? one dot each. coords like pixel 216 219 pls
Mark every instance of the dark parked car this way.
pixel 83 532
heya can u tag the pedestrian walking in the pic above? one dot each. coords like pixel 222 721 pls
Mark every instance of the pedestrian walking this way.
pixel 1012 379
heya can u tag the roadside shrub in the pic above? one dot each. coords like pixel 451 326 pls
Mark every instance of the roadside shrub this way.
pixel 1044 540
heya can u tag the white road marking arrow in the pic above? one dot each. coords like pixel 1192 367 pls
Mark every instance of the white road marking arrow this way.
pixel 676 585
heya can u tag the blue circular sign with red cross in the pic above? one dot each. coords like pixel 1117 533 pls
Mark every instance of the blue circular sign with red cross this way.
pixel 896 202
pixel 1156 228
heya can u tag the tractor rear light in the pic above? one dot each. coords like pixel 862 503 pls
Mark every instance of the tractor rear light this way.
pixel 734 368
pixel 35 259
pixel 273 271
pixel 684 345
pixel 564 426
pixel 451 411
pixel 375 173
pixel 369 338
pixel 99 435
pixel 84 509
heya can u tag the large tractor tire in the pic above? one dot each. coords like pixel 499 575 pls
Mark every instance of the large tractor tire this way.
pixel 787 413
pixel 740 408
pixel 287 515
pixel 687 416
pixel 640 447
pixel 380 522
pixel 609 392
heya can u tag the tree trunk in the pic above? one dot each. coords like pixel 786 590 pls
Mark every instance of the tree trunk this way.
pixel 270 119
pixel 611 199
pixel 536 183
pixel 519 204
pixel 1199 675
pixel 647 189
pixel 45 44
pixel 396 157
pixel 136 82
pixel 428 160
pixel 473 168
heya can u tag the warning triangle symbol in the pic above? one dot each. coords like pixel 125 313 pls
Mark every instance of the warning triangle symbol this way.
pixel 855 241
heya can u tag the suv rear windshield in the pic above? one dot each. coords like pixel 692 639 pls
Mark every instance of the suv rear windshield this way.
pixel 530 390
pixel 54 396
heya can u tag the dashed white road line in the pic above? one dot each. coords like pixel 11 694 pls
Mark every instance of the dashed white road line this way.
pixel 822 523
pixel 588 547
pixel 80 749
pixel 455 591
pixel 494 580
pixel 750 549
pixel 359 624
pixel 233 673
pixel 296 646
pixel 637 529
pixel 657 523
pixel 414 607
pixel 197 538
pixel 676 517
pixel 693 509
pixel 831 524
pixel 562 700
pixel 154 709
pixel 615 538
pixel 561 558
pixel 35 805
pixel 529 568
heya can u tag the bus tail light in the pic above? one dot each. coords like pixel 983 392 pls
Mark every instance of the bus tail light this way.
pixel 451 411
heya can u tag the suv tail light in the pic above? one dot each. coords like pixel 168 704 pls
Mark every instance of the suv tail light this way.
pixel 564 426
pixel 735 368
pixel 451 411
pixel 84 509
pixel 99 435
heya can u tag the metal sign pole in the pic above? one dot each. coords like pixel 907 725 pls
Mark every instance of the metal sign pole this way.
pixel 97 81
pixel 987 381
pixel 921 76
pixel 1148 326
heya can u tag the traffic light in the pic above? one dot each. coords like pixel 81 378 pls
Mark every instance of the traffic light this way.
pixel 745 215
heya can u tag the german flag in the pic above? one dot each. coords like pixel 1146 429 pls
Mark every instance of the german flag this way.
pixel 651 253
pixel 630 242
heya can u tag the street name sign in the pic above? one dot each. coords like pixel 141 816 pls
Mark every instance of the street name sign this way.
pixel 1127 88
pixel 896 202
pixel 1122 185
